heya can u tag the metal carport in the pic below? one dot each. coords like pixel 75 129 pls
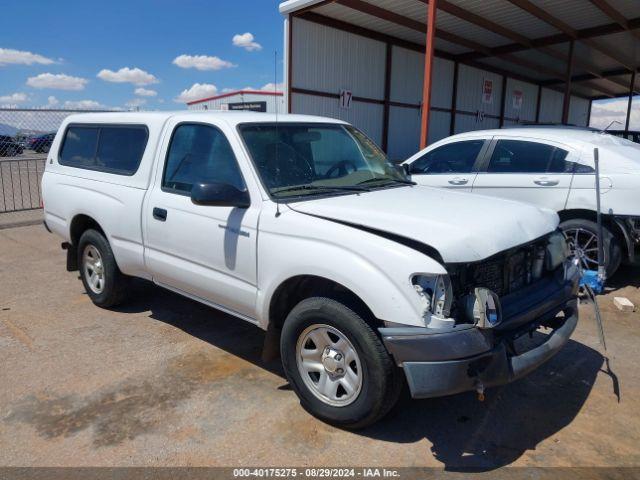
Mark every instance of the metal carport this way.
pixel 535 60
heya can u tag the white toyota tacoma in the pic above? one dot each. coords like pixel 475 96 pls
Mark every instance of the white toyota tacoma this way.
pixel 300 226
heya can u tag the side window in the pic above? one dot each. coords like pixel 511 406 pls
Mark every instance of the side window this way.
pixel 112 149
pixel 79 147
pixel 199 153
pixel 456 157
pixel 120 149
pixel 516 156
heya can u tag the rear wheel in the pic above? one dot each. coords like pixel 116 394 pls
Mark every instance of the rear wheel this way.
pixel 104 282
pixel 582 237
pixel 337 365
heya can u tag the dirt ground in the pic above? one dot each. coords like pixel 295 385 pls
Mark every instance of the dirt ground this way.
pixel 165 381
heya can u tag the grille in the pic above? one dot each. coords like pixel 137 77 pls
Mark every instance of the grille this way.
pixel 489 275
pixel 504 274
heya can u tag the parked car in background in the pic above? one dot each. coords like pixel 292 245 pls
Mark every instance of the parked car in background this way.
pixel 41 143
pixel 552 168
pixel 9 147
pixel 632 135
pixel 301 226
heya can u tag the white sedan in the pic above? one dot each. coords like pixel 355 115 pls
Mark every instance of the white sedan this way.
pixel 551 167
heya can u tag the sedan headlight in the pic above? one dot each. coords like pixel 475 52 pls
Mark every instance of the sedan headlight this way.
pixel 436 292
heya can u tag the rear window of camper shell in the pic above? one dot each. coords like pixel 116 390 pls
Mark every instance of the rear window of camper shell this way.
pixel 110 148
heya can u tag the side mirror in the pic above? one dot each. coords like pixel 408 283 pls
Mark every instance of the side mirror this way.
pixel 218 194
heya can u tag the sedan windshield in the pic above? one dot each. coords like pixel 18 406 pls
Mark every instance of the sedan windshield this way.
pixel 296 159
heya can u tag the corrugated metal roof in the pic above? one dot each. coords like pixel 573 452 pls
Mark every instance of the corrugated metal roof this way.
pixel 333 10
pixel 575 13
pixel 509 16
pixel 628 8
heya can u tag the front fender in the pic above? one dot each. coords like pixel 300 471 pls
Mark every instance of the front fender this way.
pixel 376 269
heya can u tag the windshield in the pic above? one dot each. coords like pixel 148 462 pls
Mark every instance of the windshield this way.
pixel 310 159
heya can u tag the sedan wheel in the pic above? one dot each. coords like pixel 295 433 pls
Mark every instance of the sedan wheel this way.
pixel 584 246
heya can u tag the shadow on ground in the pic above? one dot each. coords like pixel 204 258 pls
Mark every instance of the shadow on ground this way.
pixel 466 434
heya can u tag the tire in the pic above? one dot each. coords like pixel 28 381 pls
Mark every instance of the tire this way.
pixel 379 381
pixel 95 256
pixel 588 229
pixel 45 149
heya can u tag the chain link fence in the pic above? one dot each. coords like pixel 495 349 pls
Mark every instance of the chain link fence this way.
pixel 25 139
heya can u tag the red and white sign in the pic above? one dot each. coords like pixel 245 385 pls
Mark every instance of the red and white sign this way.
pixel 345 98
pixel 518 98
pixel 487 91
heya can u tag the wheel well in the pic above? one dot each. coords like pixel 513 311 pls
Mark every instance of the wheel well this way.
pixel 79 225
pixel 295 289
pixel 607 221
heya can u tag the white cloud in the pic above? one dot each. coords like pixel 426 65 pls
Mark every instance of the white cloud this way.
pixel 145 92
pixel 83 104
pixel 135 102
pixel 196 92
pixel 270 87
pixel 58 81
pixel 127 75
pixel 606 111
pixel 14 98
pixel 51 101
pixel 246 41
pixel 202 62
pixel 21 57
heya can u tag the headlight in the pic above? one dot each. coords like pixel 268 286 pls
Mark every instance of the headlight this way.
pixel 436 292
pixel 484 308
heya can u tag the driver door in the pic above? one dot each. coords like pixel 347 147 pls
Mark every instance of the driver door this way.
pixel 206 252
pixel 453 165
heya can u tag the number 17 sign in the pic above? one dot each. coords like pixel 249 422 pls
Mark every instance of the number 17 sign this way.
pixel 345 98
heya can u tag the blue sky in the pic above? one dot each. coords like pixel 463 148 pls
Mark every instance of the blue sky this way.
pixel 57 49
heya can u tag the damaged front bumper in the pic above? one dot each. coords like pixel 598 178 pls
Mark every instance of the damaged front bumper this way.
pixel 440 362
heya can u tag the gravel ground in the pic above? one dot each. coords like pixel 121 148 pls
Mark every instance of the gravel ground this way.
pixel 164 381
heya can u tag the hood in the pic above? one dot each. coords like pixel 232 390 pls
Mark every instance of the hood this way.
pixel 462 227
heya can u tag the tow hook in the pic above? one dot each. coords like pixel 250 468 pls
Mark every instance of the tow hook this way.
pixel 480 391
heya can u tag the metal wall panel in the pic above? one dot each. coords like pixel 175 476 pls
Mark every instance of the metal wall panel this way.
pixel 529 100
pixel 404 131
pixel 467 123
pixel 407 74
pixel 470 84
pixel 439 124
pixel 551 106
pixel 328 60
pixel 578 111
pixel 366 116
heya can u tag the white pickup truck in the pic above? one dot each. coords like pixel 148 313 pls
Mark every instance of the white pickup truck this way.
pixel 300 226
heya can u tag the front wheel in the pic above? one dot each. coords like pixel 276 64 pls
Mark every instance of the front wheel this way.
pixel 582 237
pixel 337 365
pixel 102 279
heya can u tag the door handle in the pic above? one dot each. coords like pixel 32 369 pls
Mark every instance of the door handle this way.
pixel 459 181
pixel 159 214
pixel 546 182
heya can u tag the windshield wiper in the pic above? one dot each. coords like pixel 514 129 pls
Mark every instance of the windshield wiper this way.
pixel 353 188
pixel 394 180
